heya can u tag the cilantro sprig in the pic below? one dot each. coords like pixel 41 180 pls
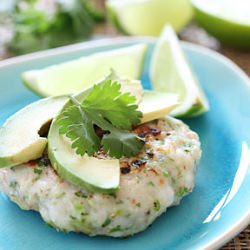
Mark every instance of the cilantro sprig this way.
pixel 109 109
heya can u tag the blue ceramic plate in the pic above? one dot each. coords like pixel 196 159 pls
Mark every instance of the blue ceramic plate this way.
pixel 219 207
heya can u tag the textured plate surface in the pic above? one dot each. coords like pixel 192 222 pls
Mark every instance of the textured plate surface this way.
pixel 219 207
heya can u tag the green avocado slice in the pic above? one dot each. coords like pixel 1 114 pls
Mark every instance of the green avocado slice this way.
pixel 19 136
pixel 96 175
pixel 157 104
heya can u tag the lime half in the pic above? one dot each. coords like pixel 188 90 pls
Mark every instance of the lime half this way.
pixel 227 20
pixel 73 76
pixel 148 17
pixel 171 73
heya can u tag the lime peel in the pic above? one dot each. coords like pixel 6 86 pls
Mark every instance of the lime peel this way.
pixel 231 26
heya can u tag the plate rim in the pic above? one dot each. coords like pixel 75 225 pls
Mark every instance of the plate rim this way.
pixel 241 224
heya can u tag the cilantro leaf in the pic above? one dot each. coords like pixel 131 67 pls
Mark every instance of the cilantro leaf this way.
pixel 109 109
pixel 77 126
pixel 35 28
pixel 107 100
pixel 121 143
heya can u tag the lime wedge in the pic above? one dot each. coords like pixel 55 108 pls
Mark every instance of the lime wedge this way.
pixel 73 76
pixel 170 72
pixel 148 17
pixel 228 20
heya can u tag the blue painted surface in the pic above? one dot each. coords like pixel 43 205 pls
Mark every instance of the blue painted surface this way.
pixel 222 193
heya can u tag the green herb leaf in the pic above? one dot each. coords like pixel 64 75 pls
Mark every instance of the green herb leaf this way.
pixel 106 222
pixel 35 28
pixel 77 126
pixel 121 143
pixel 109 109
pixel 107 100
pixel 157 205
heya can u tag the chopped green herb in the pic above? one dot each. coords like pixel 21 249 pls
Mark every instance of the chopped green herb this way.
pixel 138 204
pixel 44 162
pixel 119 212
pixel 173 180
pixel 159 141
pixel 157 205
pixel 119 202
pixel 35 179
pixel 72 217
pixel 13 184
pixel 52 224
pixel 109 109
pixel 116 229
pixel 188 146
pixel 84 214
pixel 38 170
pixel 80 223
pixel 165 174
pixel 60 195
pixel 106 222
pixel 81 194
pixel 182 191
pixel 150 183
pixel 112 195
pixel 78 206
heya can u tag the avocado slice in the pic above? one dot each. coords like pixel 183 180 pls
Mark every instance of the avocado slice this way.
pixel 101 175
pixel 96 175
pixel 19 136
pixel 157 104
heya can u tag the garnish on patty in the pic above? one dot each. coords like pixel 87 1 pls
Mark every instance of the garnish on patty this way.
pixel 112 111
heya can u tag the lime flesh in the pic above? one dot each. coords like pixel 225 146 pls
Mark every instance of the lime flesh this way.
pixel 148 17
pixel 73 76
pixel 171 73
